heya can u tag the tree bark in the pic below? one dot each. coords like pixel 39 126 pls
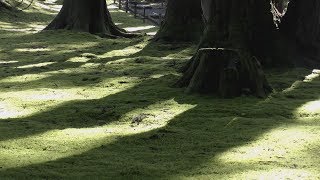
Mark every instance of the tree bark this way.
pixel 226 62
pixel 87 16
pixel 301 28
pixel 183 21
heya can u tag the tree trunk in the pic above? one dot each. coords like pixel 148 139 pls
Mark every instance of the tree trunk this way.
pixel 226 62
pixel 183 21
pixel 301 27
pixel 4 4
pixel 87 16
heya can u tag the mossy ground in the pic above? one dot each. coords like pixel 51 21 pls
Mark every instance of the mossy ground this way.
pixel 71 105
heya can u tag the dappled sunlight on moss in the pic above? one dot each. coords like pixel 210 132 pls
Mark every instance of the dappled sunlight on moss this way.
pixel 127 22
pixel 309 109
pixel 73 104
pixel 8 62
pixel 282 152
pixel 290 150
pixel 90 65
pixel 275 174
pixel 24 78
pixel 124 52
pixel 158 114
pixel 280 143
pixel 32 50
pixel 49 7
pixel 36 65
pixel 57 144
pixel 135 29
pixel 8 110
pixel 50 146
pixel 315 74
pixel 79 59
pixel 309 78
pixel 19 104
pixel 22 27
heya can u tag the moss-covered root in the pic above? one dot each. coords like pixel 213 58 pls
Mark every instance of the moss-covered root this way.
pixel 226 72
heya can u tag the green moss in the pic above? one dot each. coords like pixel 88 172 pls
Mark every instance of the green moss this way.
pixel 69 104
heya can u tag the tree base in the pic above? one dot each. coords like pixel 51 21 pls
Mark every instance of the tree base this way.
pixel 226 72
pixel 112 32
pixel 87 16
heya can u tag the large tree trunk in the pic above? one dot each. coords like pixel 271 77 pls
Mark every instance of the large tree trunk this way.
pixel 301 27
pixel 226 62
pixel 87 16
pixel 183 21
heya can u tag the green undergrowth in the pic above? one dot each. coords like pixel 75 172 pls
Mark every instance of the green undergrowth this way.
pixel 73 105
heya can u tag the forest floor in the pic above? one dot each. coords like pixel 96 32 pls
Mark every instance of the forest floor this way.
pixel 73 105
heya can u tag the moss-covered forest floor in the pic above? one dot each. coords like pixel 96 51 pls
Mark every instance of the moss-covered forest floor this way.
pixel 75 105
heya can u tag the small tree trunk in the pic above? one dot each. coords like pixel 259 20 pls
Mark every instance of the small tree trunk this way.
pixel 226 62
pixel 183 21
pixel 87 16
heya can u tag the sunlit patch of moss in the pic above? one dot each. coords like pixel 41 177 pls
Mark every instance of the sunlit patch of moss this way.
pixel 25 103
pixel 79 59
pixel 158 114
pixel 22 27
pixel 282 143
pixel 56 144
pixel 32 50
pixel 24 78
pixel 309 109
pixel 50 6
pixel 283 152
pixel 315 74
pixel 36 65
pixel 8 110
pixel 127 21
pixel 135 29
pixel 125 52
pixel 8 62
pixel 275 173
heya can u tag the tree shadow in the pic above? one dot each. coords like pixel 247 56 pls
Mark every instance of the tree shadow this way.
pixel 43 48
pixel 157 50
pixel 180 148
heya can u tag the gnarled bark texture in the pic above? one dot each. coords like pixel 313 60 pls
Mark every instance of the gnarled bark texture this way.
pixel 183 21
pixel 237 33
pixel 301 27
pixel 87 16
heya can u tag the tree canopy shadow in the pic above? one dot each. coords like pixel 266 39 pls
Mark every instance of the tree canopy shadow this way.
pixel 185 144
